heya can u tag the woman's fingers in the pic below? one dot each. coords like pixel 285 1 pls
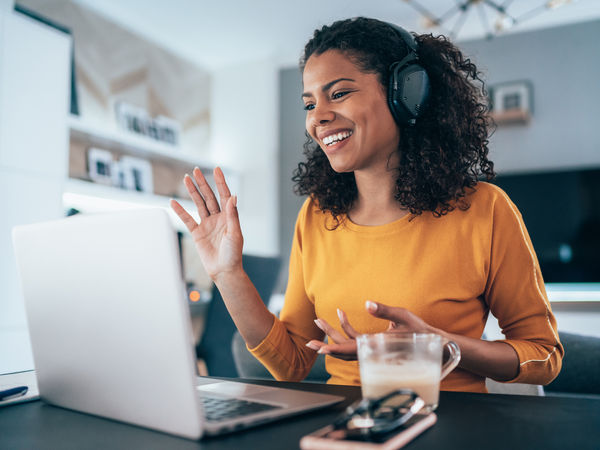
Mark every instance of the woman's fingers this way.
pixel 395 314
pixel 207 193
pixel 222 187
pixel 188 220
pixel 348 329
pixel 345 350
pixel 398 328
pixel 344 347
pixel 402 318
pixel 196 197
pixel 330 331
pixel 315 345
pixel 233 219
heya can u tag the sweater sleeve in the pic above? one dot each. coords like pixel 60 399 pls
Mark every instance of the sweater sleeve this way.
pixel 517 297
pixel 283 352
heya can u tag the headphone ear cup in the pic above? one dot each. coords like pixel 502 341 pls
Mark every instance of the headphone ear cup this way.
pixel 408 92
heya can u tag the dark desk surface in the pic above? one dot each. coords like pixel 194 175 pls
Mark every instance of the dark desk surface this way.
pixel 465 421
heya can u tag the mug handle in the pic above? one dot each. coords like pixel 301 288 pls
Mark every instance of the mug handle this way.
pixel 453 360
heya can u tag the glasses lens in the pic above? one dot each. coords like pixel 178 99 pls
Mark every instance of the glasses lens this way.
pixel 382 415
pixel 395 402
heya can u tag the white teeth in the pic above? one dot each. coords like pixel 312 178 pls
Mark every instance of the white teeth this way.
pixel 336 137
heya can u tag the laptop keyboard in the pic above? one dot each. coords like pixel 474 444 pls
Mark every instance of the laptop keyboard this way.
pixel 218 408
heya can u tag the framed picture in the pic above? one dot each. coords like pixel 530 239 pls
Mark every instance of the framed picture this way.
pixel 137 120
pixel 121 177
pixel 123 113
pixel 100 165
pixel 511 102
pixel 132 118
pixel 135 174
pixel 168 129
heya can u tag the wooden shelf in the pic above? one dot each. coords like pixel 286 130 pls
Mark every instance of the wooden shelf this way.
pixel 90 197
pixel 132 144
pixel 511 117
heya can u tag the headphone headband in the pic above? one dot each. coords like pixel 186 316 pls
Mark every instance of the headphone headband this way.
pixel 408 38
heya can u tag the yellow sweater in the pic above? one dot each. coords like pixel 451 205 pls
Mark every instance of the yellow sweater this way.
pixel 451 271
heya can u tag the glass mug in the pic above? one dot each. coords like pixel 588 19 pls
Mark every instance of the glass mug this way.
pixel 390 361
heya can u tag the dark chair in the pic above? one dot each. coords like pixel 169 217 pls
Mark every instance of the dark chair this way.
pixel 215 345
pixel 249 367
pixel 580 372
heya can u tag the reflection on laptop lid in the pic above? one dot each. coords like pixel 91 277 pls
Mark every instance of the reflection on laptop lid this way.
pixel 110 329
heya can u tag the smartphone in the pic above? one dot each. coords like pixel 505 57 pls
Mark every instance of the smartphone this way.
pixel 329 439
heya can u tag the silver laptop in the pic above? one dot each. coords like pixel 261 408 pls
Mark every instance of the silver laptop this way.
pixel 110 329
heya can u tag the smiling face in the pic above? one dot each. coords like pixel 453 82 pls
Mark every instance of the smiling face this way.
pixel 347 113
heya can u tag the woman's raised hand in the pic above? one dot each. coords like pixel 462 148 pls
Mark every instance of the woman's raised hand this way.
pixel 218 236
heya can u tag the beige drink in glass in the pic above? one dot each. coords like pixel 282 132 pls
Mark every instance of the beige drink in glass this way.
pixel 390 361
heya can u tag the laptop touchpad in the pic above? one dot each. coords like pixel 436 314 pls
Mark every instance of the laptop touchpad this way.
pixel 233 389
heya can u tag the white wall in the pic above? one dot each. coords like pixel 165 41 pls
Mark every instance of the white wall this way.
pixel 563 67
pixel 244 137
pixel 34 94
pixel 5 6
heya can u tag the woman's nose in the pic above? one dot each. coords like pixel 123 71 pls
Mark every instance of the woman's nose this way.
pixel 322 115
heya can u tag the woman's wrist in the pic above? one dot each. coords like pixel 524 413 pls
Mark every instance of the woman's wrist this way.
pixel 496 360
pixel 228 275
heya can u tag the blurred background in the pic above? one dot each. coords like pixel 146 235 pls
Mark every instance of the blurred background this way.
pixel 106 104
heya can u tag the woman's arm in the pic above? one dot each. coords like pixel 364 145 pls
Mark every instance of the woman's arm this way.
pixel 517 297
pixel 495 360
pixel 284 352
pixel 491 359
pixel 278 344
pixel 219 241
pixel 246 308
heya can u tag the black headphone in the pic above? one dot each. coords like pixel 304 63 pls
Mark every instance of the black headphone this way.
pixel 408 88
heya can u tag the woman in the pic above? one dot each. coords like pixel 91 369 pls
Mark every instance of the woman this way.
pixel 397 232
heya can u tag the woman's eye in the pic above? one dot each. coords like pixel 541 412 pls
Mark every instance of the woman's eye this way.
pixel 339 94
pixel 309 107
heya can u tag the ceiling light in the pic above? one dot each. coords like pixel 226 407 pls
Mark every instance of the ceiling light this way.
pixel 500 14
pixel 553 4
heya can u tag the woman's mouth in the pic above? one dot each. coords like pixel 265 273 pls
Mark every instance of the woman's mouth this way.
pixel 336 138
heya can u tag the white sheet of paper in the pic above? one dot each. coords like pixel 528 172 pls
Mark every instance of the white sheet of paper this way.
pixel 12 380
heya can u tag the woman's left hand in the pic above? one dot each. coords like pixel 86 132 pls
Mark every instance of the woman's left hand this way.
pixel 401 320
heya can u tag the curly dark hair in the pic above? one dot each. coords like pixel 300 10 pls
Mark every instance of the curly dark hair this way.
pixel 442 156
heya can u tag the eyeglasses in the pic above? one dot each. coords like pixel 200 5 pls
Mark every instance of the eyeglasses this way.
pixel 371 418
